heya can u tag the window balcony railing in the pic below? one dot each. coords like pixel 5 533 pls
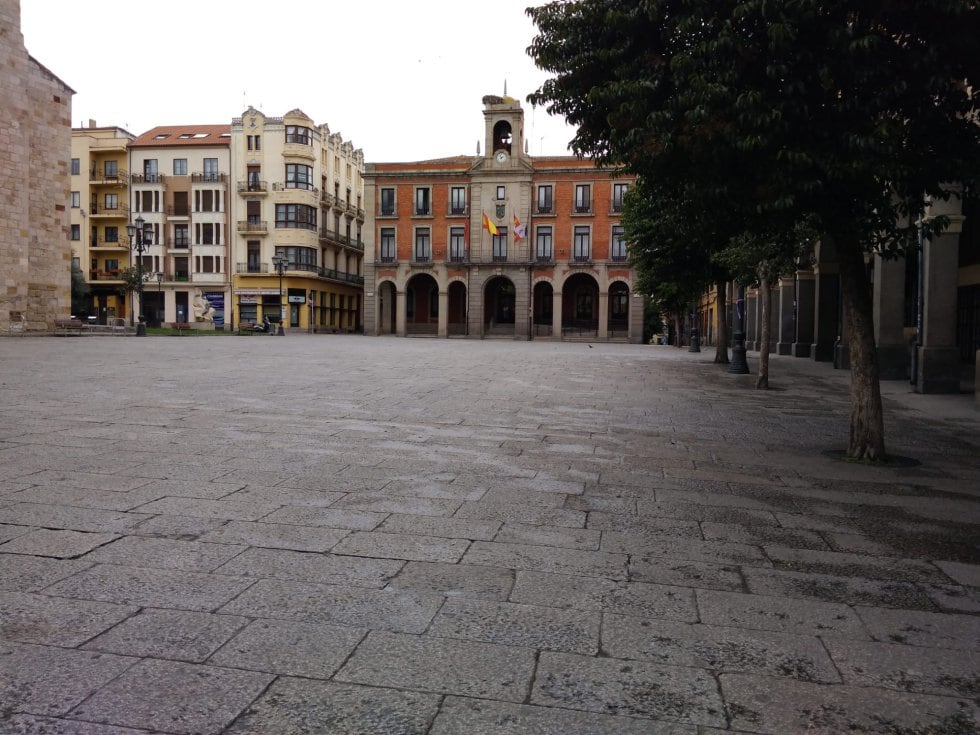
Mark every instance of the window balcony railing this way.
pixel 180 243
pixel 182 277
pixel 618 258
pixel 208 177
pixel 544 258
pixel 251 268
pixel 423 259
pixel 253 226
pixel 583 209
pixel 544 209
pixel 296 186
pixel 387 211
pixel 458 211
pixel 457 257
pixel 101 210
pixel 104 243
pixel 179 211
pixel 387 259
pixel 581 258
pixel 253 187
pixel 335 275
pixel 147 179
pixel 423 211
pixel 499 258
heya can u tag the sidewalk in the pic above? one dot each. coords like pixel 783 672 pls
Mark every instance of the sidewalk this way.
pixel 340 534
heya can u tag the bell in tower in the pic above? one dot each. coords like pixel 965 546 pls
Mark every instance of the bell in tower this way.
pixel 502 136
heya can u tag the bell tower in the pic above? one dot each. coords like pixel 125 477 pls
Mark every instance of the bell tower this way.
pixel 503 130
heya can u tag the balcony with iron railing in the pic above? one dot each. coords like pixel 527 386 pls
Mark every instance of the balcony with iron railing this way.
pixel 253 186
pixel 147 179
pixel 457 257
pixel 311 191
pixel 334 275
pixel 102 244
pixel 253 227
pixel 458 211
pixel 256 268
pixel 583 208
pixel 118 178
pixel 208 177
pixel 102 211
pixel 182 211
pixel 334 237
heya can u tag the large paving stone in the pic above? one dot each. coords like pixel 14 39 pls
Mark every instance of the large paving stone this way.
pixel 321 568
pixel 454 580
pixel 534 626
pixel 185 528
pixel 275 536
pixel 164 588
pixel 907 668
pixel 853 565
pixel 290 648
pixel 32 618
pixel 164 553
pixel 701 512
pixel 967 574
pixel 353 520
pixel 19 573
pixel 320 603
pixel 31 725
pixel 590 593
pixel 462 715
pixel 59 544
pixel 402 546
pixel 570 538
pixel 718 649
pixel 712 552
pixel 530 515
pixel 830 588
pixel 285 496
pixel 684 573
pixel 633 688
pixel 441 665
pixel 547 559
pixel 758 534
pixel 202 508
pixel 914 628
pixel 175 634
pixel 761 612
pixel 174 697
pixel 762 704
pixel 394 504
pixel 81 497
pixel 76 519
pixel 8 531
pixel 302 707
pixel 443 527
pixel 46 680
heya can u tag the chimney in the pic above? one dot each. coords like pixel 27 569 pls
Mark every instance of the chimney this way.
pixel 91 123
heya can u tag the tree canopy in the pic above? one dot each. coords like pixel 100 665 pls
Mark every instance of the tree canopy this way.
pixel 845 115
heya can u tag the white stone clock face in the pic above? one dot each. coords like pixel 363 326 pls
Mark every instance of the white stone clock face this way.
pixel 501 156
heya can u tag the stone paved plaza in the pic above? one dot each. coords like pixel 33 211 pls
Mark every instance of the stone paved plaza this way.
pixel 352 535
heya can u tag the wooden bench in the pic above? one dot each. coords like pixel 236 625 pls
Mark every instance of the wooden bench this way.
pixel 181 326
pixel 70 324
pixel 246 328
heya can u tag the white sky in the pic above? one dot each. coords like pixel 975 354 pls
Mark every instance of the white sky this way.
pixel 375 71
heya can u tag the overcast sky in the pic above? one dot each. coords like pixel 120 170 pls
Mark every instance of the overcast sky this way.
pixel 401 79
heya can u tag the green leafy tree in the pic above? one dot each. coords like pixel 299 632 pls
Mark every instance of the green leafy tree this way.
pixel 80 290
pixel 849 115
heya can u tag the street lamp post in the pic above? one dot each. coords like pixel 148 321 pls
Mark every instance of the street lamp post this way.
pixel 695 337
pixel 280 263
pixel 739 365
pixel 140 239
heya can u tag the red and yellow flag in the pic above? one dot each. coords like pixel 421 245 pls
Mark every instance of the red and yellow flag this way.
pixel 520 231
pixel 488 225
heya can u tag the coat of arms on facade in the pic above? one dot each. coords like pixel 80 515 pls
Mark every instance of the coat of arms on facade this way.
pixel 500 211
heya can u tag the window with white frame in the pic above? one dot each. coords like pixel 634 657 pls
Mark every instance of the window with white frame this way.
pixel 112 201
pixel 501 193
pixel 583 198
pixel 499 243
pixel 423 203
pixel 211 169
pixel 545 201
pixel 76 200
pixel 76 166
pixel 457 200
pixel 619 193
pixel 387 201
pixel 299 176
pixel 457 244
pixel 299 134
pixel 182 238
pixel 543 243
pixel 423 245
pixel 180 167
pixel 581 243
pixel 387 253
pixel 618 249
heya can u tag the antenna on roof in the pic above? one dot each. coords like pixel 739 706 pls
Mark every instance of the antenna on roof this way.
pixel 505 88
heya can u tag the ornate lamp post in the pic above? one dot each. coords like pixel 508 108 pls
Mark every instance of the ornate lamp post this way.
pixel 695 337
pixel 280 263
pixel 739 365
pixel 140 239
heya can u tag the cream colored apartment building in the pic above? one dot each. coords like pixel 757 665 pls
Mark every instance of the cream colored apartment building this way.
pixel 98 210
pixel 298 199
pixel 180 185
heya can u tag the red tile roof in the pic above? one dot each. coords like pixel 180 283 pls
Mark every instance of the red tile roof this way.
pixel 181 135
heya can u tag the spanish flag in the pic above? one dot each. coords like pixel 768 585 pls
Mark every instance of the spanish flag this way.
pixel 488 225
pixel 520 231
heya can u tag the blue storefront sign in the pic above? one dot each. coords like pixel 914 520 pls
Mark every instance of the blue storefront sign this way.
pixel 217 302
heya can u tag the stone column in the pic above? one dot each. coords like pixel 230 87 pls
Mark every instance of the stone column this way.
pixel 826 302
pixel 751 319
pixel 443 323
pixel 603 332
pixel 938 358
pixel 400 313
pixel 556 314
pixel 805 294
pixel 786 315
pixel 889 318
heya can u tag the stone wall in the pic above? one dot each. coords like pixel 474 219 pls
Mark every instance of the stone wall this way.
pixel 35 148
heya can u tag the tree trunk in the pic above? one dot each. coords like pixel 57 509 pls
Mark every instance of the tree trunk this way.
pixel 765 295
pixel 721 317
pixel 867 438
